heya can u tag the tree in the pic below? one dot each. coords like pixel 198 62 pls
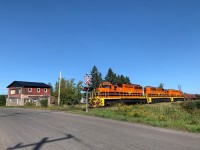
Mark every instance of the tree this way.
pixel 79 87
pixel 111 76
pixel 116 79
pixel 70 93
pixel 127 80
pixel 161 85
pixel 96 77
pixel 2 100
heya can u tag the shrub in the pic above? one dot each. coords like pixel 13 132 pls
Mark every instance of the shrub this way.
pixel 161 117
pixel 190 105
pixel 2 100
pixel 123 109
pixel 29 104
pixel 136 114
pixel 44 102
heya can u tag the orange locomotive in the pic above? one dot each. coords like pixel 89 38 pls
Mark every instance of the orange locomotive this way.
pixel 108 94
pixel 160 92
pixel 106 88
pixel 175 93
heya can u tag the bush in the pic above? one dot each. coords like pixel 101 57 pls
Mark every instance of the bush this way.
pixel 44 102
pixel 190 105
pixel 29 104
pixel 2 100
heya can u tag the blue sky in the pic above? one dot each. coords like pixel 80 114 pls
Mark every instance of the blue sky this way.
pixel 151 42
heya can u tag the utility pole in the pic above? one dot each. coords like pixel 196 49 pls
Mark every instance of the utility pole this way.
pixel 59 90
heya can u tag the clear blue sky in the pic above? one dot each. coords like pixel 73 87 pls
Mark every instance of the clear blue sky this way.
pixel 150 41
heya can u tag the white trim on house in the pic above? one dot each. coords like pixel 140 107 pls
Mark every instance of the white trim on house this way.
pixel 29 89
pixel 38 90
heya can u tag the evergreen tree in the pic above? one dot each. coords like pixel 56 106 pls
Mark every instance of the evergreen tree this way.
pixel 111 76
pixel 116 79
pixel 127 80
pixel 122 79
pixel 161 85
pixel 96 77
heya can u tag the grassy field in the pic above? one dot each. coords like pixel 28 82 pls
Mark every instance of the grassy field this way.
pixel 178 115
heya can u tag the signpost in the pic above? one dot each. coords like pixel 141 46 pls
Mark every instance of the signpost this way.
pixel 87 82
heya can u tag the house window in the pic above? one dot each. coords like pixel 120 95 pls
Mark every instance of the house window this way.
pixel 38 89
pixel 45 90
pixel 29 89
pixel 12 92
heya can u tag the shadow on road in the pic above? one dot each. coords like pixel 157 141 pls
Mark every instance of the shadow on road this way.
pixel 38 145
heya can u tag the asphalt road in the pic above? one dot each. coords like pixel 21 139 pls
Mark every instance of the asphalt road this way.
pixel 38 129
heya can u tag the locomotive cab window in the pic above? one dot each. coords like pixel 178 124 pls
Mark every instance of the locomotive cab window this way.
pixel 106 86
pixel 138 88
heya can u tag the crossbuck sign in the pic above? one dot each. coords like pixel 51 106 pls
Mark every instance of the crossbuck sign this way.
pixel 87 79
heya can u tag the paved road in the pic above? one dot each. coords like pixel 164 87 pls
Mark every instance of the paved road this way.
pixel 37 129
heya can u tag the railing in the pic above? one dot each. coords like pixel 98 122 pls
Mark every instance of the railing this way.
pixel 115 95
pixel 128 95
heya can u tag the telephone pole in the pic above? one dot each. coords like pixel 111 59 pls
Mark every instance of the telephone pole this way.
pixel 59 90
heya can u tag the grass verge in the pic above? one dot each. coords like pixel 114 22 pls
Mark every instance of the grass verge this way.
pixel 167 115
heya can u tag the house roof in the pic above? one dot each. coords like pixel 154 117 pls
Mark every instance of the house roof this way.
pixel 28 84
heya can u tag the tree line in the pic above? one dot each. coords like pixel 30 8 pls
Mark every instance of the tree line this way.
pixel 110 77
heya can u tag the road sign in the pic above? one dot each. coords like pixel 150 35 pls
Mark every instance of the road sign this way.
pixel 87 82
pixel 87 79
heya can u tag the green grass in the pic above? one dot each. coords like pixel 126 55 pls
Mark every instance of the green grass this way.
pixel 168 115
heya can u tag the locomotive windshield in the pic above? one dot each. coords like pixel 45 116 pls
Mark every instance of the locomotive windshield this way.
pixel 138 88
pixel 106 86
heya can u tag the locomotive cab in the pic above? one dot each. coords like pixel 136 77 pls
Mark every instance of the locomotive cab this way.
pixel 105 87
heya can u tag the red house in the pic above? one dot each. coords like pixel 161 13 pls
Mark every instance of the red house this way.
pixel 20 92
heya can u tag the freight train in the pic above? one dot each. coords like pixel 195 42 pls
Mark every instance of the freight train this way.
pixel 108 94
pixel 191 96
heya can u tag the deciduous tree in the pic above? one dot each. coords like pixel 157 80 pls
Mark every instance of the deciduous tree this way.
pixel 70 93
